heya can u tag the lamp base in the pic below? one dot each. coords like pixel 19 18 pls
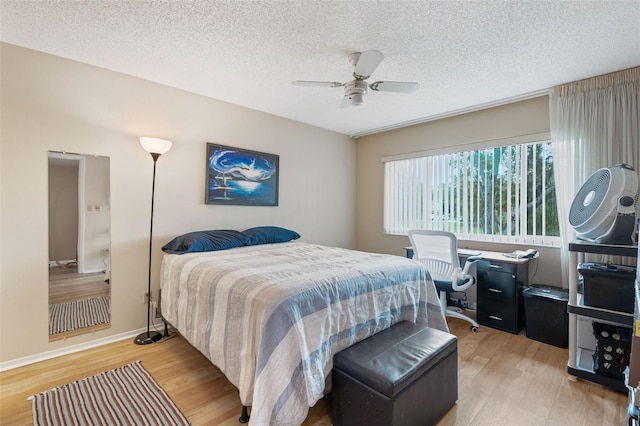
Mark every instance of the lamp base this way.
pixel 147 337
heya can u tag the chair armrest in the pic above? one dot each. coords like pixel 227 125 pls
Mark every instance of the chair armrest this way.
pixel 463 282
pixel 470 261
pixel 462 279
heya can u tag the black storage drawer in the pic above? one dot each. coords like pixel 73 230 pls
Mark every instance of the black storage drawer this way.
pixel 487 265
pixel 496 284
pixel 500 303
pixel 503 316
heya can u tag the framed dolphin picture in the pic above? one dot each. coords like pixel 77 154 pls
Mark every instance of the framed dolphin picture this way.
pixel 238 176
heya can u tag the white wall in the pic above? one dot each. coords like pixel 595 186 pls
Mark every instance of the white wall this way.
pixel 49 103
pixel 516 119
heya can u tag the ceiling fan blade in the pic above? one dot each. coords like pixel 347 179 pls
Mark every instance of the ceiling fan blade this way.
pixel 317 83
pixel 395 86
pixel 367 64
pixel 345 102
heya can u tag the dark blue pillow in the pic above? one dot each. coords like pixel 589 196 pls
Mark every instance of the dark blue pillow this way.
pixel 269 234
pixel 219 239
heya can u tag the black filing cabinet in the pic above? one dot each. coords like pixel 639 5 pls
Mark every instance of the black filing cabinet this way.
pixel 500 302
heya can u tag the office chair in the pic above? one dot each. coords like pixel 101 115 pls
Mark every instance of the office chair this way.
pixel 438 251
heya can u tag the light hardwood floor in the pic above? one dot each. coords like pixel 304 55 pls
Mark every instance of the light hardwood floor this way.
pixel 67 285
pixel 504 379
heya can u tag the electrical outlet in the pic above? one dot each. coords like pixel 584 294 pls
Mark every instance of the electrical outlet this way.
pixel 104 252
pixel 145 296
pixel 156 310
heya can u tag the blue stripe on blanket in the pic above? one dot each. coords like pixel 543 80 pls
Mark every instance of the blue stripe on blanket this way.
pixel 382 322
pixel 310 301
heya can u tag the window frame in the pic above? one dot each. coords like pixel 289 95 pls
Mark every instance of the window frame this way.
pixel 538 240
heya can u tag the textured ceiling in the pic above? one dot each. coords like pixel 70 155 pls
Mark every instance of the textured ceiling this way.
pixel 464 54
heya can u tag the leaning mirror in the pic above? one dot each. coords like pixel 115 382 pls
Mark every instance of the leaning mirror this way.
pixel 79 244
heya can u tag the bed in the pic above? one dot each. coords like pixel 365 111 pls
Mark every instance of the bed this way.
pixel 271 316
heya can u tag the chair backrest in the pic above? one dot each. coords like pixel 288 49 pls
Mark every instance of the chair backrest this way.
pixel 438 250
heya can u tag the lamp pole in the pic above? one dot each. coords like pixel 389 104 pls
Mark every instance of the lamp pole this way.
pixel 155 147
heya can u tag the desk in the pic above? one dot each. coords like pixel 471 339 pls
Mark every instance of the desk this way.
pixel 484 254
pixel 501 279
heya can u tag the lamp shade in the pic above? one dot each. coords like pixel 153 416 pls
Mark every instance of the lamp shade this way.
pixel 155 145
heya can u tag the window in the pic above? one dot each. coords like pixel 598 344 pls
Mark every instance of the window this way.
pixel 503 194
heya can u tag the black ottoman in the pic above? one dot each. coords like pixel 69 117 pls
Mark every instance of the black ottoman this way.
pixel 405 375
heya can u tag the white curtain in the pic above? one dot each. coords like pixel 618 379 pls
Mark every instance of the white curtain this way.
pixel 595 123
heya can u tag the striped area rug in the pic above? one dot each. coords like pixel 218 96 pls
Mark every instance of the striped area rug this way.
pixel 78 314
pixel 125 396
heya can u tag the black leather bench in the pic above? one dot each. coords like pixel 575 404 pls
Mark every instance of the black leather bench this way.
pixel 405 375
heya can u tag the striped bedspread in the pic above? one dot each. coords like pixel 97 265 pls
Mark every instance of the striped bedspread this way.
pixel 271 317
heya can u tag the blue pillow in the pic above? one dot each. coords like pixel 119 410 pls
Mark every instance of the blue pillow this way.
pixel 199 241
pixel 268 235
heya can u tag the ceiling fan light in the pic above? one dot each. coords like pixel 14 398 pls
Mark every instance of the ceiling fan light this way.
pixel 356 99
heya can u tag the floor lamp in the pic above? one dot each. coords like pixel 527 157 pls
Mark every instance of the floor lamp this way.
pixel 156 147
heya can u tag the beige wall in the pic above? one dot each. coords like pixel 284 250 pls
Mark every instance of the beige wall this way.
pixel 516 119
pixel 49 103
pixel 96 229
pixel 63 210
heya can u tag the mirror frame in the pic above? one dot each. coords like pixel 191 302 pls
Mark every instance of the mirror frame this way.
pixel 93 251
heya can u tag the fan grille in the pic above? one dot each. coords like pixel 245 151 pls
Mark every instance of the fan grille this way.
pixel 592 193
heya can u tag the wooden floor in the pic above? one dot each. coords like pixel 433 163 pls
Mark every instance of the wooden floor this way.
pixel 67 285
pixel 504 379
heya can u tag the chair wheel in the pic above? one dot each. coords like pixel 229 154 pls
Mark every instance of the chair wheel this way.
pixel 474 328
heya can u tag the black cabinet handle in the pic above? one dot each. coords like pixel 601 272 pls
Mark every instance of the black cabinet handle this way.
pixel 495 290
pixel 493 317
pixel 494 266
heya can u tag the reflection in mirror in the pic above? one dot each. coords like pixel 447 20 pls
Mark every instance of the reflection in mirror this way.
pixel 79 244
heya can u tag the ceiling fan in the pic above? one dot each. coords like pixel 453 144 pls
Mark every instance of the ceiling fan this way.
pixel 365 64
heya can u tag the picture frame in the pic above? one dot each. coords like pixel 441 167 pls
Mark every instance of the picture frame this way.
pixel 238 176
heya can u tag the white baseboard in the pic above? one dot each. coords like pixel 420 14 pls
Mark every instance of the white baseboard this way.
pixel 31 359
